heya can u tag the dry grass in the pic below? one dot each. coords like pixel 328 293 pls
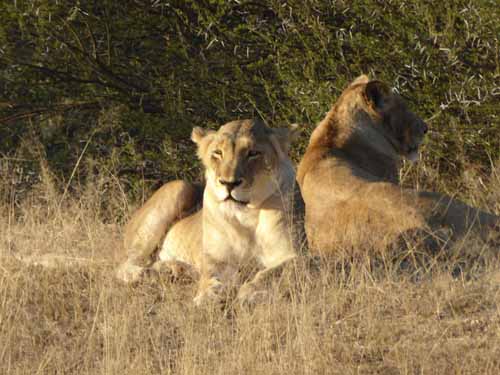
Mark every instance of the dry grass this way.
pixel 418 315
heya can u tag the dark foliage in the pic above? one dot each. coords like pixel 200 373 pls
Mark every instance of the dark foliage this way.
pixel 124 82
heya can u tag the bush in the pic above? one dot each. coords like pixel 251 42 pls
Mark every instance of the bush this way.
pixel 126 81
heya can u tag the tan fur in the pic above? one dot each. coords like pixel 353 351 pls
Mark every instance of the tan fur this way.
pixel 247 219
pixel 148 226
pixel 349 177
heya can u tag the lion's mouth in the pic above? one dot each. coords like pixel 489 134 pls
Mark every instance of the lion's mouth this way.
pixel 232 199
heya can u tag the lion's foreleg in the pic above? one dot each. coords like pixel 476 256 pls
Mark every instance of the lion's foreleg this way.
pixel 278 240
pixel 215 278
pixel 257 289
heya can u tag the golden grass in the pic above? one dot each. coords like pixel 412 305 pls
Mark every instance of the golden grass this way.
pixel 386 316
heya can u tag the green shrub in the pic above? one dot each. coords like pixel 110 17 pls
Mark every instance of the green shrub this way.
pixel 132 78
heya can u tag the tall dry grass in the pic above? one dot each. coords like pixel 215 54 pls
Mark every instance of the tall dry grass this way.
pixel 405 313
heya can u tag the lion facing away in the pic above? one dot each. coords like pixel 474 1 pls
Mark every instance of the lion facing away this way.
pixel 244 218
pixel 349 177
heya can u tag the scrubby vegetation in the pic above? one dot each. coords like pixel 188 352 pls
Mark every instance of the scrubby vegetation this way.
pixel 124 82
pixel 97 100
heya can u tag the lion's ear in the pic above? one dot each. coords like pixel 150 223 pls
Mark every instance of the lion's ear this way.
pixel 282 138
pixel 377 95
pixel 363 78
pixel 202 138
pixel 198 134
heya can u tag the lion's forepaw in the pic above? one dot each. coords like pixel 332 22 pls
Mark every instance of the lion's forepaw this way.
pixel 210 294
pixel 130 273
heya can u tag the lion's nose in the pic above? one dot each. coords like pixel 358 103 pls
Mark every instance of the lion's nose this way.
pixel 230 185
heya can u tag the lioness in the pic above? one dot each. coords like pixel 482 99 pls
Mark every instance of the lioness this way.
pixel 246 216
pixel 349 176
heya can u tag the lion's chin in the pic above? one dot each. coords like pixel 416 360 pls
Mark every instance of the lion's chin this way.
pixel 232 208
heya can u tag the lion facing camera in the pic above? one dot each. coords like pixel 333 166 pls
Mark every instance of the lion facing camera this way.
pixel 247 215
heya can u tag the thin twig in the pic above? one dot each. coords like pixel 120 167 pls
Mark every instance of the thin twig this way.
pixel 74 169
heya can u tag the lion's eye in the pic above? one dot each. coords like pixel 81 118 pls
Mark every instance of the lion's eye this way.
pixel 217 154
pixel 252 154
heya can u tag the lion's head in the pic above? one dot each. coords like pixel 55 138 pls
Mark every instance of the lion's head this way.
pixel 402 128
pixel 245 161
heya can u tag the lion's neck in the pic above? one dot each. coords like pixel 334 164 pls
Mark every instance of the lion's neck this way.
pixel 372 159
pixel 380 157
pixel 354 136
